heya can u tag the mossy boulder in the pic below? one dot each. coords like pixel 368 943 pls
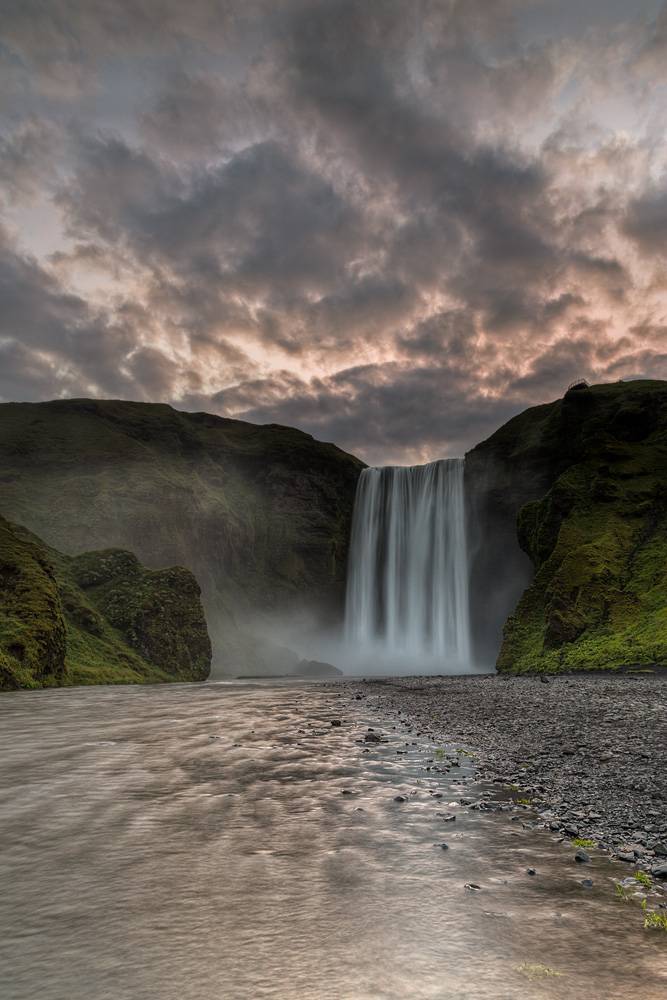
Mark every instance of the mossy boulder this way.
pixel 99 617
pixel 585 482
pixel 260 515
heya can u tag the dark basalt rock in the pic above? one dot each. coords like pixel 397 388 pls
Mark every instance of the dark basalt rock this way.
pixel 371 737
pixel 314 668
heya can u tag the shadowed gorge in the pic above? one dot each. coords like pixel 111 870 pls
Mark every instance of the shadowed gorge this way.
pixel 261 515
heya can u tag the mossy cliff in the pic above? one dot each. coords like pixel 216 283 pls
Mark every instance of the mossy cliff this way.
pixel 261 515
pixel 583 482
pixel 97 618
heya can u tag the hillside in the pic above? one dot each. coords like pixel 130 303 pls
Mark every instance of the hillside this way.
pixel 261 515
pixel 582 484
pixel 95 618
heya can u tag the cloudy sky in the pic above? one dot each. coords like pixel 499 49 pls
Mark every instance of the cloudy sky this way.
pixel 392 223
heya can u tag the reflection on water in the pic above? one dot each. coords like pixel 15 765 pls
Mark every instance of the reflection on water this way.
pixel 213 841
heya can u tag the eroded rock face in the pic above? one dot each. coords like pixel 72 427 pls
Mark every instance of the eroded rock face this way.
pixel 261 515
pixel 583 482
pixel 96 618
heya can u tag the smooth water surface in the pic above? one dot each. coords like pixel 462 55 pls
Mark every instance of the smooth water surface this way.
pixel 202 842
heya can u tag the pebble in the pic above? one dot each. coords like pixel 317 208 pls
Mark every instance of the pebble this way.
pixel 531 871
pixel 550 743
pixel 582 857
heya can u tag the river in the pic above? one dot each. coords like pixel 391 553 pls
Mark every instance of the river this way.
pixel 227 842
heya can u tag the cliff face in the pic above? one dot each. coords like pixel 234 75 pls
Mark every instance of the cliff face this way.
pixel 261 515
pixel 95 618
pixel 582 484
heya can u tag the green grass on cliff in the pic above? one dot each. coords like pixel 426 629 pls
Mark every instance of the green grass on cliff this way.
pixel 99 618
pixel 32 624
pixel 598 541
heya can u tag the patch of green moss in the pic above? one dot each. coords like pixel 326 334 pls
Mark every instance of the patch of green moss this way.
pixel 32 624
pixel 598 542
pixel 99 618
pixel 157 611
pixel 535 970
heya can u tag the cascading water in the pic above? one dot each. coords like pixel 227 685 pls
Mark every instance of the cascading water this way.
pixel 407 588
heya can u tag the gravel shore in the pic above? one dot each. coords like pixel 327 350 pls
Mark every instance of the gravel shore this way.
pixel 588 751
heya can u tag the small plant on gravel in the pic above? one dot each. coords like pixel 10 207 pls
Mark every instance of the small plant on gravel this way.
pixel 523 802
pixel 655 921
pixel 512 788
pixel 439 753
pixel 644 878
pixel 622 893
pixel 583 842
pixel 535 970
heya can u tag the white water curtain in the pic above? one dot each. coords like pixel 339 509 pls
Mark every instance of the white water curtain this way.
pixel 407 590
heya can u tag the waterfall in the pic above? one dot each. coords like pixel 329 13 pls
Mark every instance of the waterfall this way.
pixel 407 587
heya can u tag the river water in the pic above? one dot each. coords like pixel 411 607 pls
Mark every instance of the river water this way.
pixel 226 842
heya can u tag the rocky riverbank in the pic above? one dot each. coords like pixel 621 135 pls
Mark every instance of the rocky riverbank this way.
pixel 583 756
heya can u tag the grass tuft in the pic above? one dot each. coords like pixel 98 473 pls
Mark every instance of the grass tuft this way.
pixel 535 970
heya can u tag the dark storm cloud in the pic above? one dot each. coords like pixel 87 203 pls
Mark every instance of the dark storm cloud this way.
pixel 260 223
pixel 652 56
pixel 391 224
pixel 26 158
pixel 377 410
pixel 646 221
pixel 44 329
